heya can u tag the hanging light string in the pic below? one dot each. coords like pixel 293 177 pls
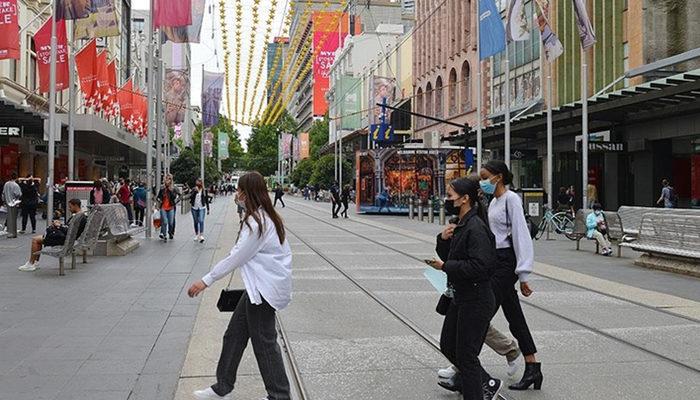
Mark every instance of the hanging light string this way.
pixel 251 49
pixel 239 18
pixel 258 74
pixel 277 111
pixel 227 56
pixel 276 60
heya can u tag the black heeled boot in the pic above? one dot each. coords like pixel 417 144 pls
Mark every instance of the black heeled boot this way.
pixel 532 375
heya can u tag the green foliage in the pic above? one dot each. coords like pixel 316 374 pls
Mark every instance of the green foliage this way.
pixel 318 136
pixel 302 172
pixel 186 168
pixel 262 150
pixel 324 169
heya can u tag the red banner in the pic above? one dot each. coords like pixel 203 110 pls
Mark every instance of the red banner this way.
pixel 102 83
pixel 110 103
pixel 172 13
pixel 126 104
pixel 86 61
pixel 42 43
pixel 140 111
pixel 9 30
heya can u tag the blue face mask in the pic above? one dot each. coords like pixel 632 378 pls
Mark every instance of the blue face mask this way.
pixel 487 187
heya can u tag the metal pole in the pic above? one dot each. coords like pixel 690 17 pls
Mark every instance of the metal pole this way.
pixel 442 211
pixel 550 133
pixel 479 143
pixel 584 129
pixel 149 135
pixel 431 212
pixel 201 157
pixel 159 114
pixel 411 209
pixel 52 118
pixel 506 136
pixel 71 112
pixel 340 159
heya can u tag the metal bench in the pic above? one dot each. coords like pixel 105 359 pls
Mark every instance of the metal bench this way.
pixel 615 229
pixel 667 234
pixel 117 235
pixel 88 240
pixel 631 217
pixel 61 252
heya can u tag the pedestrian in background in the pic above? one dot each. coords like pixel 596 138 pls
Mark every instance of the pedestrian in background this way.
pixel 278 195
pixel 467 254
pixel 30 200
pixel 345 198
pixel 263 254
pixel 199 201
pixel 167 198
pixel 12 195
pixel 139 203
pixel 335 199
pixel 514 262
pixel 669 198
pixel 124 196
pixel 597 228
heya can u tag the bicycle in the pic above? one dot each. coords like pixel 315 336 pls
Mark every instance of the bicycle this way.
pixel 561 222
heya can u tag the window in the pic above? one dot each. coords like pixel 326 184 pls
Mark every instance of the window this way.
pixel 438 97
pixel 452 90
pixel 419 106
pixel 14 69
pixel 429 99
pixel 138 25
pixel 465 84
pixel 626 60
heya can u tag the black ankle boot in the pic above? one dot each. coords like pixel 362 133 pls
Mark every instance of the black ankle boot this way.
pixel 532 375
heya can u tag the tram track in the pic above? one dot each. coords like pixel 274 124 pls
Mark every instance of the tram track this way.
pixel 297 383
pixel 538 307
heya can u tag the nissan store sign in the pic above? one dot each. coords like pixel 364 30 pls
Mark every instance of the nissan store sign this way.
pixel 11 131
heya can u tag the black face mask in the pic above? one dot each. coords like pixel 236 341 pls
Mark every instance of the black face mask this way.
pixel 450 207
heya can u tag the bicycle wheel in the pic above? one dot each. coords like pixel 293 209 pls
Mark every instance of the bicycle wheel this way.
pixel 541 228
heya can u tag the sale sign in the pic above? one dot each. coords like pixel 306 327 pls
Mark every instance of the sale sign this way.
pixel 42 43
pixel 9 30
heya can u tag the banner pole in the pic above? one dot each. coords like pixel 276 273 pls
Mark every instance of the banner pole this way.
pixel 71 109
pixel 479 143
pixel 506 136
pixel 52 117
pixel 584 129
pixel 159 100
pixel 149 132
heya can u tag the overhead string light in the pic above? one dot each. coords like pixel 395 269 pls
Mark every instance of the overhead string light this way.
pixel 258 74
pixel 251 50
pixel 239 19
pixel 224 40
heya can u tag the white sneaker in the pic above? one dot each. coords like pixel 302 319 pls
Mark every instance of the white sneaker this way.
pixel 447 373
pixel 209 394
pixel 195 238
pixel 201 238
pixel 513 366
pixel 29 267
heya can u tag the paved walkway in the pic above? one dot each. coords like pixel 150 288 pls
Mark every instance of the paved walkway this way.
pixel 115 328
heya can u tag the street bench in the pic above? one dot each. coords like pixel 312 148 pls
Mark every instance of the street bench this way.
pixel 669 241
pixel 615 229
pixel 61 252
pixel 117 236
pixel 88 240
pixel 631 217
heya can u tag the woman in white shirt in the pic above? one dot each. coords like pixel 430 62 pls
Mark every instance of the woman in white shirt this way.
pixel 199 202
pixel 265 259
pixel 515 258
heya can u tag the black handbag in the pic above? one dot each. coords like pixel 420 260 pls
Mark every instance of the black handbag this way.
pixel 228 299
pixel 443 305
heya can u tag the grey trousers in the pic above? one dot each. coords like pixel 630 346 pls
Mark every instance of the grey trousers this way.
pixel 502 344
pixel 11 223
pixel 257 323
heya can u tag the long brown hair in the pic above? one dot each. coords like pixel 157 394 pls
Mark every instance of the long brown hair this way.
pixel 255 189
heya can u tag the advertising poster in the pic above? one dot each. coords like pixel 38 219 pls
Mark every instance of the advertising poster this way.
pixel 42 42
pixel 187 33
pixel 176 94
pixel 382 88
pixel 102 21
pixel 212 86
pixel 9 30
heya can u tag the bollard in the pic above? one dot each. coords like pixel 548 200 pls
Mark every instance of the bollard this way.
pixel 411 211
pixel 431 212
pixel 420 210
pixel 442 212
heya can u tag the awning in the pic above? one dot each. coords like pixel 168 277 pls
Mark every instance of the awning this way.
pixel 663 98
pixel 12 114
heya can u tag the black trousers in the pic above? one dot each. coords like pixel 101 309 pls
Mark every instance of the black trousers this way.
pixel 503 283
pixel 139 211
pixel 129 214
pixel 345 208
pixel 29 210
pixel 462 337
pixel 280 200
pixel 336 207
pixel 257 323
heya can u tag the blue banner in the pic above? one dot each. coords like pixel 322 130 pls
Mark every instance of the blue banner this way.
pixel 492 34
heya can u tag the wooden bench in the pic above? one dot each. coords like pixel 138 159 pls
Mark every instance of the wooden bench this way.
pixel 615 229
pixel 61 252
pixel 631 217
pixel 88 240
pixel 117 236
pixel 669 241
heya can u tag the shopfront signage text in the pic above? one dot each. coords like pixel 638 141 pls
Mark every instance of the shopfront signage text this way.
pixel 606 147
pixel 10 131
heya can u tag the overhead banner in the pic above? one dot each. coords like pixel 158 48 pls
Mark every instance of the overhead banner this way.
pixel 550 42
pixel 140 114
pixel 286 145
pixel 126 104
pixel 304 145
pixel 382 88
pixel 172 13
pixel 9 30
pixel 102 21
pixel 208 142
pixel 176 94
pixel 223 145
pixel 86 62
pixel 492 34
pixel 212 87
pixel 102 84
pixel 188 33
pixel 517 27
pixel 73 9
pixel 42 43
pixel 350 104
pixel 111 104
pixel 585 28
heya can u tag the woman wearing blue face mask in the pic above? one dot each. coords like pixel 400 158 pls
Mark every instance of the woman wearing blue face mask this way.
pixel 598 229
pixel 515 258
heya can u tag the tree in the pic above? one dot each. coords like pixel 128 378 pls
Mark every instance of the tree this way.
pixel 262 150
pixel 302 173
pixel 318 136
pixel 324 169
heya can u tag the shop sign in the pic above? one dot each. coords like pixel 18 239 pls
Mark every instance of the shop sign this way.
pixel 10 131
pixel 606 147
pixel 518 154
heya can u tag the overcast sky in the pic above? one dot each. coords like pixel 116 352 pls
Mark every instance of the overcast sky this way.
pixel 210 53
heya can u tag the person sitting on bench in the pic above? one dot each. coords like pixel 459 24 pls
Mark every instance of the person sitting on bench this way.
pixel 598 229
pixel 55 234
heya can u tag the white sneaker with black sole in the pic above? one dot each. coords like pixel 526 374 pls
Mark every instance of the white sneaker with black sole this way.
pixel 209 394
pixel 447 373
pixel 29 267
pixel 513 366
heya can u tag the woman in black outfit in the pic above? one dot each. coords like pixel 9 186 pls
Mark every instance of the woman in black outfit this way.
pixel 30 200
pixel 469 251
pixel 344 198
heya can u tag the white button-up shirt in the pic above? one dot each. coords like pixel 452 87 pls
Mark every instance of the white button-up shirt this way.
pixel 265 263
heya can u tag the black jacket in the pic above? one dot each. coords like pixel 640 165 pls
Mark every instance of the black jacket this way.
pixel 469 255
pixel 205 198
pixel 172 195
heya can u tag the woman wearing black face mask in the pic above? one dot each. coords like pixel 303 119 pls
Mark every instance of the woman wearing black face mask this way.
pixel 469 251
